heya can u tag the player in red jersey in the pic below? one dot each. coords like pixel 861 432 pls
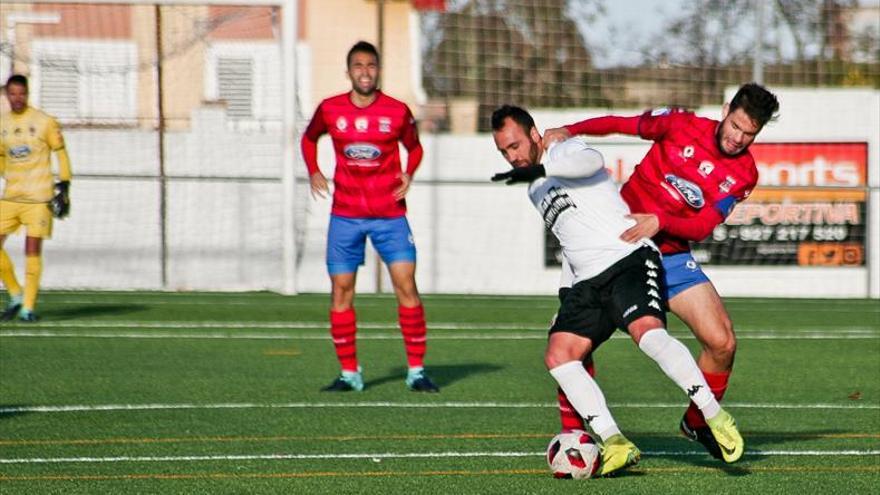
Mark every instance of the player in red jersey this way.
pixel 368 201
pixel 690 180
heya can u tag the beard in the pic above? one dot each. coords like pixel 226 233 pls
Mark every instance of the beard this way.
pixel 719 141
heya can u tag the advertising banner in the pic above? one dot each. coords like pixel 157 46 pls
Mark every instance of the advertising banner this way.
pixel 808 208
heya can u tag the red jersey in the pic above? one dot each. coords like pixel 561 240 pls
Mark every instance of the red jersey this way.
pixel 367 153
pixel 684 179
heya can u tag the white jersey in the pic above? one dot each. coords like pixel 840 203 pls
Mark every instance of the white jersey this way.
pixel 583 208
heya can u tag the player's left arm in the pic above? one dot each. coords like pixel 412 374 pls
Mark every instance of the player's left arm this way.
pixel 56 143
pixel 60 203
pixel 414 152
pixel 695 228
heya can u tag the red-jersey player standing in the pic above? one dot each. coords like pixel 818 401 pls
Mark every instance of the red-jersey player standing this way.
pixel 693 175
pixel 368 201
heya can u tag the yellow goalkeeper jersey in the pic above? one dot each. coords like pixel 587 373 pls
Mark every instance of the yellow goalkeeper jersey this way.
pixel 27 141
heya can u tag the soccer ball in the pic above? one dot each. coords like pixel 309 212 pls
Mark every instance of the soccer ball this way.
pixel 573 454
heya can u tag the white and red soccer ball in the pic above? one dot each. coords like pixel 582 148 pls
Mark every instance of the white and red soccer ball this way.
pixel 573 454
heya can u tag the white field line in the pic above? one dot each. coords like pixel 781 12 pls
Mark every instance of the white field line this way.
pixel 377 457
pixel 537 335
pixel 399 405
pixel 390 325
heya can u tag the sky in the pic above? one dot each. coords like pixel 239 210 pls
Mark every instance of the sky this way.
pixel 629 24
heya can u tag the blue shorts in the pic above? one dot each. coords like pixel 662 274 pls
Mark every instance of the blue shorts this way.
pixel 347 237
pixel 682 272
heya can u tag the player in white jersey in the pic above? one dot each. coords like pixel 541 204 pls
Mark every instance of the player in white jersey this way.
pixel 616 284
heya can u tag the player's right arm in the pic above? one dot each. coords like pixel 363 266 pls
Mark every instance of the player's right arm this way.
pixel 309 147
pixel 598 126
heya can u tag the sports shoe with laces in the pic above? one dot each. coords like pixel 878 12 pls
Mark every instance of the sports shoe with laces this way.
pixel 418 381
pixel 729 440
pixel 28 316
pixel 12 309
pixel 618 453
pixel 703 435
pixel 347 381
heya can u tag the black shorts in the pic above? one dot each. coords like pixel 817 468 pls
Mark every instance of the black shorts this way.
pixel 629 289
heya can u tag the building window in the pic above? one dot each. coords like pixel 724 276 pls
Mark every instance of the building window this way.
pixel 246 76
pixel 235 82
pixel 59 88
pixel 86 81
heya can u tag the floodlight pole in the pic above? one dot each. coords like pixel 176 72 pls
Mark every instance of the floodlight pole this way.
pixel 758 55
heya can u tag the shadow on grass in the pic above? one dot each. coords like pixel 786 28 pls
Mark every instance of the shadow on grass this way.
pixel 85 311
pixel 443 375
pixel 8 411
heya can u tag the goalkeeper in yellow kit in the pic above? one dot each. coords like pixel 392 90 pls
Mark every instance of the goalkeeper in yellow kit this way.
pixel 31 197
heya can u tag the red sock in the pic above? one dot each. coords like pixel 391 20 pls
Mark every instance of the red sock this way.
pixel 412 326
pixel 343 327
pixel 718 385
pixel 568 416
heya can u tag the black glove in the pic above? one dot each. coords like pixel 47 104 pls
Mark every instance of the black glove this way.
pixel 520 174
pixel 60 204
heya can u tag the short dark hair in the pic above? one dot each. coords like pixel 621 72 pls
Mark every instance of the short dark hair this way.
pixel 758 103
pixel 519 115
pixel 17 79
pixel 361 47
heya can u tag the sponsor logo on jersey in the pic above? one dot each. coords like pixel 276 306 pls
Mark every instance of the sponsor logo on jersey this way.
pixel 653 293
pixel 691 192
pixel 361 124
pixel 630 310
pixel 652 274
pixel 341 124
pixel 688 151
pixel 652 283
pixel 727 184
pixel 706 167
pixel 654 304
pixel 555 201
pixel 19 152
pixel 361 151
pixel 660 111
pixel 384 124
pixel 650 264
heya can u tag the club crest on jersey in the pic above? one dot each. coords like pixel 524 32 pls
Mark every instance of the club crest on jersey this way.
pixel 341 124
pixel 361 124
pixel 384 124
pixel 727 184
pixel 687 152
pixel 691 192
pixel 361 151
pixel 706 167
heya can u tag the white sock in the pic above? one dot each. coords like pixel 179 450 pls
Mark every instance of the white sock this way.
pixel 586 397
pixel 676 361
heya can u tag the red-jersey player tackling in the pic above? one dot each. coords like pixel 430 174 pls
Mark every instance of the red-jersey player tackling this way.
pixel 368 201
pixel 693 175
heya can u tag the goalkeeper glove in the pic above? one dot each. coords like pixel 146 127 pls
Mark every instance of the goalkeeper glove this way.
pixel 60 204
pixel 520 174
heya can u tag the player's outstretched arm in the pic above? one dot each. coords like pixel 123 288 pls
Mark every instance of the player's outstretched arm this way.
pixel 555 135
